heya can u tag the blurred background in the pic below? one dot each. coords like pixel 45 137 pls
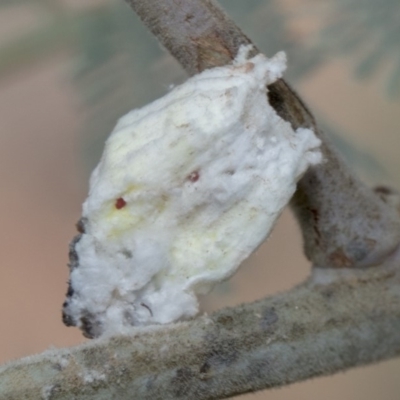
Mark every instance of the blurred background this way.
pixel 70 68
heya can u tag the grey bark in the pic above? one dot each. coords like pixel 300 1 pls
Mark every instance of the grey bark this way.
pixel 337 320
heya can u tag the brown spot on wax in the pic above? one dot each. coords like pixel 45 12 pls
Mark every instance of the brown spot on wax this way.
pixel 120 203
pixel 194 176
pixel 80 225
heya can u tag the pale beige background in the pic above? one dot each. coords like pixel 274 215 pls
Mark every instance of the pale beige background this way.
pixel 43 186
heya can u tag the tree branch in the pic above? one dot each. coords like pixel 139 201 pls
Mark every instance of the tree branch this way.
pixel 344 224
pixel 336 320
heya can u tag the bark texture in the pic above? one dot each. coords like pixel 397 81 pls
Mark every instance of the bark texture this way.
pixel 337 320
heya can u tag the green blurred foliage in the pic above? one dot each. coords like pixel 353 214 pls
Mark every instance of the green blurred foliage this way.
pixel 368 31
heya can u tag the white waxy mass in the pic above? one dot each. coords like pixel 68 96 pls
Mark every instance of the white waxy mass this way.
pixel 187 188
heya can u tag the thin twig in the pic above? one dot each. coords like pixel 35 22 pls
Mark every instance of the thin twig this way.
pixel 315 329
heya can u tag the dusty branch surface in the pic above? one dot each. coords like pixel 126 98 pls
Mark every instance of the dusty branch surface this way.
pixel 337 320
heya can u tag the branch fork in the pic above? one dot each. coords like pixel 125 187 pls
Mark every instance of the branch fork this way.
pixel 344 223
